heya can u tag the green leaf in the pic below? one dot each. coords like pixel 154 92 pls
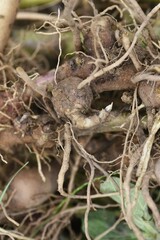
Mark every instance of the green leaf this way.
pixel 141 217
pixel 97 223
pixel 141 208
pixel 101 220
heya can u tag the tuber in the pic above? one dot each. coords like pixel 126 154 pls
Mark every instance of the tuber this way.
pixel 27 190
pixel 99 36
pixel 67 98
pixel 73 103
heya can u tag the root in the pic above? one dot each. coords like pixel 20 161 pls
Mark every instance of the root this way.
pixel 66 158
pixel 151 204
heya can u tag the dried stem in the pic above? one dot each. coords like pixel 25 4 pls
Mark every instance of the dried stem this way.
pixel 8 11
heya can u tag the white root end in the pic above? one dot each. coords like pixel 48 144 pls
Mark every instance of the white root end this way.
pixel 80 121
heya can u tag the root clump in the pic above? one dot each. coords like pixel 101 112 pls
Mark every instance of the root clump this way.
pixel 84 135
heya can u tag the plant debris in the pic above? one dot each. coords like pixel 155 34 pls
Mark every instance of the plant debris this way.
pixel 85 120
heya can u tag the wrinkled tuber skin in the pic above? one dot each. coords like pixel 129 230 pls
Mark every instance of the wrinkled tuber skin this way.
pixel 118 79
pixel 67 98
pixel 73 103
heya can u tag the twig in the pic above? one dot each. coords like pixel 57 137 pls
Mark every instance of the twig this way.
pixel 120 60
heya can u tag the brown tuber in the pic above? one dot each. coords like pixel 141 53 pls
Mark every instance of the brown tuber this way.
pixel 73 103
pixel 99 33
pixel 67 98
pixel 27 190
